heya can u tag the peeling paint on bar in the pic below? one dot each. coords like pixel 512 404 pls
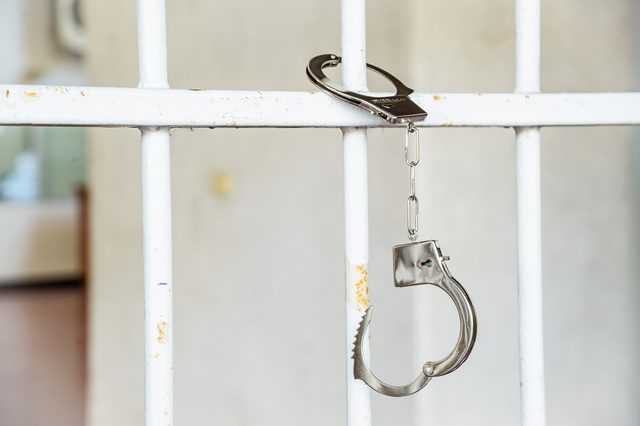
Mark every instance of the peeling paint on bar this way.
pixel 357 286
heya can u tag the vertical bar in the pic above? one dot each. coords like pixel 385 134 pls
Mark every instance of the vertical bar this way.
pixel 532 392
pixel 156 216
pixel 354 77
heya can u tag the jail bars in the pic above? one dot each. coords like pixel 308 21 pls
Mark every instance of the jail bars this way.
pixel 130 107
pixel 154 108
pixel 532 403
pixel 156 223
pixel 354 77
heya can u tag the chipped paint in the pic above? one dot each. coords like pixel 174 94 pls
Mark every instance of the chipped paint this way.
pixel 82 93
pixel 362 289
pixel 436 98
pixel 31 93
pixel 357 290
pixel 162 332
pixel 7 93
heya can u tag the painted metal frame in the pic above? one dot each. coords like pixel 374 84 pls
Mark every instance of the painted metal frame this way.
pixel 529 222
pixel 25 105
pixel 156 223
pixel 154 108
pixel 356 207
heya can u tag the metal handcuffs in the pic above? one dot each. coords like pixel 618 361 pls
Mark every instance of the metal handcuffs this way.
pixel 395 109
pixel 414 263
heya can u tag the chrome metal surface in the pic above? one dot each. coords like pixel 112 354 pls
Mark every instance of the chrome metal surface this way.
pixel 398 108
pixel 411 130
pixel 413 205
pixel 417 264
pixel 361 369
pixel 413 211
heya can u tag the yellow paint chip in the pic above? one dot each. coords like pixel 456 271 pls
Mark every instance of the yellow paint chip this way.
pixel 362 290
pixel 162 332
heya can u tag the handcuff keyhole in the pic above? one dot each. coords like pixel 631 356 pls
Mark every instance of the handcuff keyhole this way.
pixel 428 263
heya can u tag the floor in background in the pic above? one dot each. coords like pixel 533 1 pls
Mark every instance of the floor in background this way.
pixel 42 361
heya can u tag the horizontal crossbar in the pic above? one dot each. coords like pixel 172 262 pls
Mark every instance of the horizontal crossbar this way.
pixel 27 105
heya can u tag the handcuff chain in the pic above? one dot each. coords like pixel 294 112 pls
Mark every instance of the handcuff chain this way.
pixel 413 205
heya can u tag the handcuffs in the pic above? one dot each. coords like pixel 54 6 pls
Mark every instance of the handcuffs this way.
pixel 414 263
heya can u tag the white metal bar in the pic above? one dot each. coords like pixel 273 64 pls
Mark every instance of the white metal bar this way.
pixel 529 222
pixel 156 210
pixel 356 205
pixel 527 46
pixel 357 266
pixel 128 107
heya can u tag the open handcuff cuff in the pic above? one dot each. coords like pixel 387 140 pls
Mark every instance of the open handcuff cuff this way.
pixel 415 263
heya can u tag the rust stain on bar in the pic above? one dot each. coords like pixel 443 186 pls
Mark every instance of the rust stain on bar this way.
pixel 362 290
pixel 162 332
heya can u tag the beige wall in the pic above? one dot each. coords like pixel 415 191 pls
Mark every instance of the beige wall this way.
pixel 589 253
pixel 259 271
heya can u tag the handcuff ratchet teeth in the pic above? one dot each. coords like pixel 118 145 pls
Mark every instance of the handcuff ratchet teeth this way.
pixel 396 109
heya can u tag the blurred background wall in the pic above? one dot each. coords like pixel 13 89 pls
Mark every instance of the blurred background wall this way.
pixel 258 222
pixel 40 168
pixel 42 298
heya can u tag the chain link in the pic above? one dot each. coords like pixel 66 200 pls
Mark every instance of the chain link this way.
pixel 413 205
